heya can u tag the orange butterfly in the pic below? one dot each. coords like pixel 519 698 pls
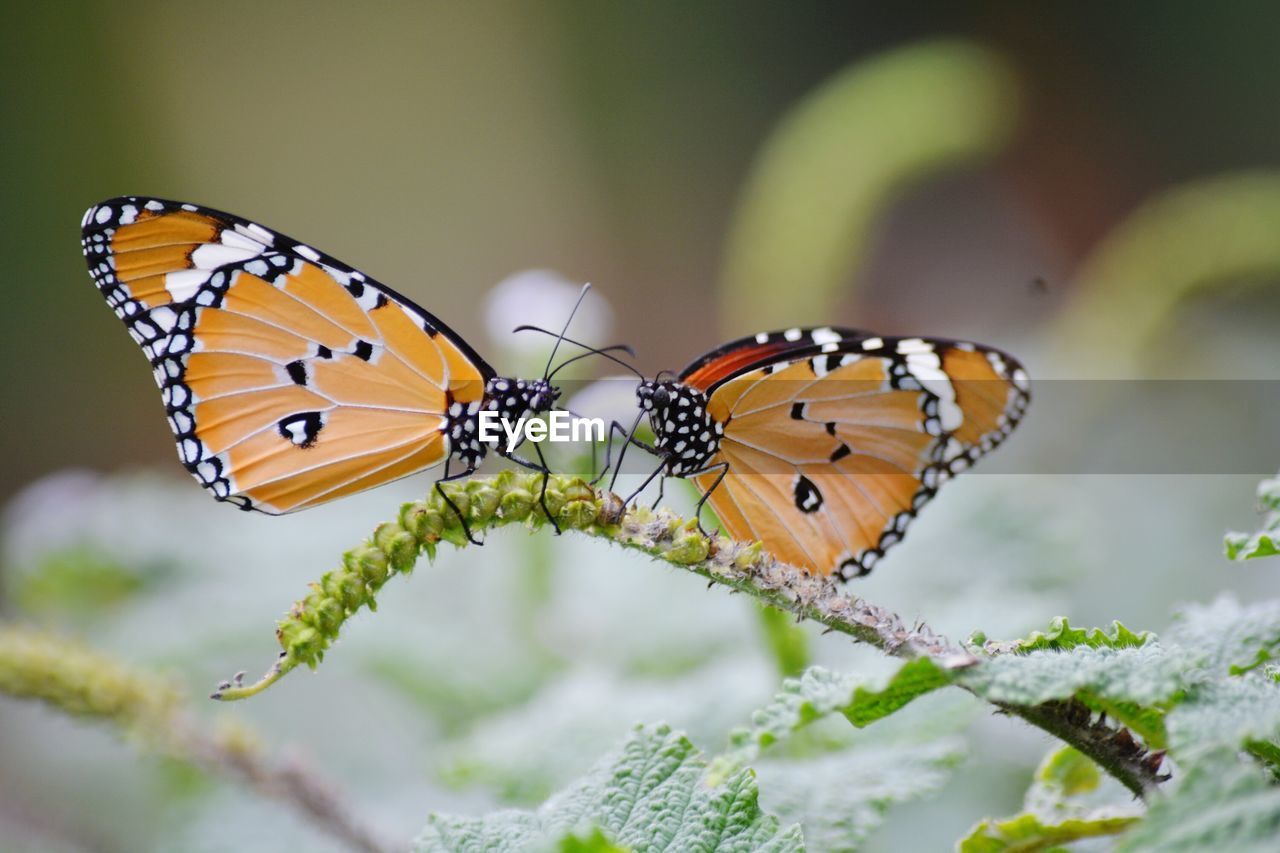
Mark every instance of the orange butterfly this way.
pixel 289 378
pixel 823 444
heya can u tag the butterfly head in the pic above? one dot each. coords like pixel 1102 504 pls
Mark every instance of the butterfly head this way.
pixel 542 396
pixel 515 399
pixel 656 396
pixel 683 429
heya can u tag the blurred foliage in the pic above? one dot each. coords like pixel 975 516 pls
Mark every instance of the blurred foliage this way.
pixel 1056 811
pixel 80 584
pixel 834 162
pixel 790 646
pixel 1195 238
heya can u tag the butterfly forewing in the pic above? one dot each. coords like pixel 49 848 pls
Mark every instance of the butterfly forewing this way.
pixel 834 442
pixel 290 379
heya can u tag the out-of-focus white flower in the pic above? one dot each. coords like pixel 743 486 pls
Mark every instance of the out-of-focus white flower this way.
pixel 612 398
pixel 543 298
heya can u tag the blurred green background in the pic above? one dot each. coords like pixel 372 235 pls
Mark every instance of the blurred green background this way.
pixel 1090 186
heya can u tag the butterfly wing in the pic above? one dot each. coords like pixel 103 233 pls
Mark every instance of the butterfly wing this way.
pixel 289 378
pixel 835 442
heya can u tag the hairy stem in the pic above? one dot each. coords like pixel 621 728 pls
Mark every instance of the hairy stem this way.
pixel 149 708
pixel 512 498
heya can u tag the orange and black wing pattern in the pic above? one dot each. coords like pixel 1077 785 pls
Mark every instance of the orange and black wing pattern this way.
pixel 836 438
pixel 289 378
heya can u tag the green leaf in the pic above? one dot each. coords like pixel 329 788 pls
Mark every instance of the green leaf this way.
pixel 1266 542
pixel 820 692
pixel 1027 832
pixel 1226 713
pixel 1221 804
pixel 649 794
pixel 912 680
pixel 1249 546
pixel 1061 637
pixel 1068 773
pixel 1226 637
pixel 593 841
pixel 1134 685
pixel 1056 811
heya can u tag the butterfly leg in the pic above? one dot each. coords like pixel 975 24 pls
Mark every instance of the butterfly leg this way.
pixel 466 528
pixel 647 480
pixel 697 510
pixel 542 495
pixel 619 429
pixel 662 485
pixel 631 439
pixel 541 467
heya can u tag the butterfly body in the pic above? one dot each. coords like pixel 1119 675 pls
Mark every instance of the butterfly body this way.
pixel 825 443
pixel 289 378
pixel 685 434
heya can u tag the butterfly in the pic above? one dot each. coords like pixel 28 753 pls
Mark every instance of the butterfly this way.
pixel 824 443
pixel 289 378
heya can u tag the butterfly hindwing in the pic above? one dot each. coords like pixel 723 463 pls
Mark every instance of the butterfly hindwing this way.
pixel 289 378
pixel 835 439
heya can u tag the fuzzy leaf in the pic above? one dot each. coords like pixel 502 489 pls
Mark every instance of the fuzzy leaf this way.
pixel 1061 637
pixel 647 795
pixel 1133 685
pixel 1266 542
pixel 820 692
pixel 1226 637
pixel 841 797
pixel 1229 713
pixel 591 842
pixel 1249 546
pixel 1222 804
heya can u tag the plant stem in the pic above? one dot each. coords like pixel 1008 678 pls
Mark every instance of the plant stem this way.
pixel 314 623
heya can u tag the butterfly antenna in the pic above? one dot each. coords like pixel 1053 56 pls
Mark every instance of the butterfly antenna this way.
pixel 527 327
pixel 604 353
pixel 560 337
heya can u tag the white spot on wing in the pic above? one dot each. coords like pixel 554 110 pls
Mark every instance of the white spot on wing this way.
pixel 307 252
pixel 825 336
pixel 183 284
pixel 164 317
pixel 258 232
pixel 213 255
pixel 873 343
pixel 103 214
pixel 792 334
